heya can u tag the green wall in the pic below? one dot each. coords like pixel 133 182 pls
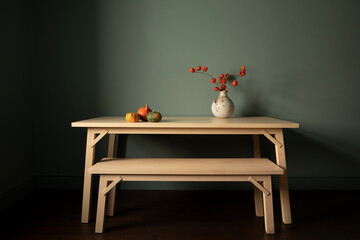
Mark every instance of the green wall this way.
pixel 302 59
pixel 17 103
pixel 112 57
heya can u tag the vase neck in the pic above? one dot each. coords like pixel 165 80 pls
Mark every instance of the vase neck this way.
pixel 223 93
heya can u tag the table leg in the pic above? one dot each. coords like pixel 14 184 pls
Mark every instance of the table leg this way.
pixel 110 205
pixel 89 161
pixel 283 179
pixel 259 211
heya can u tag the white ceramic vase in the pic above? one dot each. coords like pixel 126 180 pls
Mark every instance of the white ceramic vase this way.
pixel 222 106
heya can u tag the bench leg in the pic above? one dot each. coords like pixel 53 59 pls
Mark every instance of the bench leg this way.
pixel 110 205
pixel 259 210
pixel 268 207
pixel 100 213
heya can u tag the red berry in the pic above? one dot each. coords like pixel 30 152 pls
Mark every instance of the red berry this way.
pixel 198 68
pixel 220 78
pixel 213 80
pixel 216 89
pixel 224 81
pixel 223 87
pixel 227 75
pixel 234 83
pixel 240 73
pixel 205 69
pixel 192 70
pixel 221 75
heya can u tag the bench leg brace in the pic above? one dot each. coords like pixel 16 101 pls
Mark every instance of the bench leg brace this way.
pixel 111 185
pixel 258 185
pixel 103 190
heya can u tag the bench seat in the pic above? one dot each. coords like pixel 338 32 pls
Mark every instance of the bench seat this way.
pixel 258 171
pixel 186 166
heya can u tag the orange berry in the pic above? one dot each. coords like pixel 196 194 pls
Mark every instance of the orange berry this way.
pixel 198 68
pixel 234 83
pixel 223 87
pixel 205 69
pixel 242 67
pixel 192 70
pixel 213 80
pixel 216 89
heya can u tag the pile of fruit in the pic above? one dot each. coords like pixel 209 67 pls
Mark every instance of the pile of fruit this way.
pixel 145 114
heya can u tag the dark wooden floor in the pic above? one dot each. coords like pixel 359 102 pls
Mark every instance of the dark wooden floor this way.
pixel 175 215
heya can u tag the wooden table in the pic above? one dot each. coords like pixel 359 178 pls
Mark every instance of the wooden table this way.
pixel 271 128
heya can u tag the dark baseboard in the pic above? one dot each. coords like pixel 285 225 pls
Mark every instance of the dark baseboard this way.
pixel 295 183
pixel 16 194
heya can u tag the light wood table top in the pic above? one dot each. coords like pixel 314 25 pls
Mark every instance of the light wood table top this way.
pixel 187 122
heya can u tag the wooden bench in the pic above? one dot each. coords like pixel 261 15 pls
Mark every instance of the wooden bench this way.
pixel 258 171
